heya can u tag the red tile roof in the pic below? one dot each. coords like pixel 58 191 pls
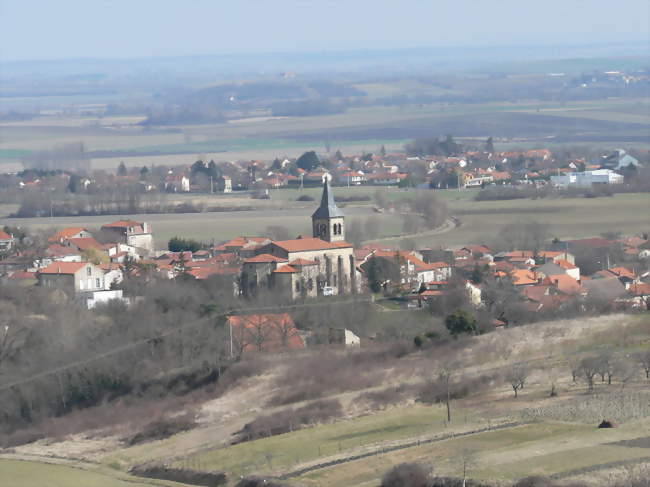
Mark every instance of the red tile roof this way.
pixel 285 269
pixel 4 235
pixel 66 233
pixel 564 283
pixel 640 289
pixel 63 267
pixel 263 258
pixel 86 243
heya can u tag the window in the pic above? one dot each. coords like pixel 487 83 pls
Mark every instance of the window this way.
pixel 297 286
pixel 81 283
pixel 97 283
pixel 89 271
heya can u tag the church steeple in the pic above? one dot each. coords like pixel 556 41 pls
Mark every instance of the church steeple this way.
pixel 328 220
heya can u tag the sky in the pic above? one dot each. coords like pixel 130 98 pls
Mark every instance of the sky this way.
pixel 63 29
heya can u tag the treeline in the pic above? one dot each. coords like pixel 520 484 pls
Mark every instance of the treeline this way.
pixel 433 146
pixel 36 204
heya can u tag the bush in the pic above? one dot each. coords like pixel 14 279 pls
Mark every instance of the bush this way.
pixel 163 428
pixel 259 482
pixel 291 419
pixel 406 475
pixel 206 479
pixel 305 197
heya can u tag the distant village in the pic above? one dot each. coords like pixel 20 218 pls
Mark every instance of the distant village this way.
pixel 90 268
pixel 427 163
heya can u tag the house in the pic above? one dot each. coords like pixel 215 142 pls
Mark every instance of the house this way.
pixel 619 159
pixel 263 333
pixel 343 336
pixel 558 267
pixel 6 241
pixel 224 184
pixel 177 183
pixel 135 234
pixel 72 277
pixel 68 233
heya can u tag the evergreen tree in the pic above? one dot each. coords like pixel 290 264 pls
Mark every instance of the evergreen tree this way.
pixel 489 145
pixel 382 151
pixel 144 172
pixel 308 161
pixel 121 169
pixel 460 321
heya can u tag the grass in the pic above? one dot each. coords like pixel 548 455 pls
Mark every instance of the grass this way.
pixel 18 473
pixel 284 451
pixel 542 448
pixel 480 220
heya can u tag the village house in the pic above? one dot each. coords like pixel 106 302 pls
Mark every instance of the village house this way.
pixel 72 277
pixel 135 234
pixel 6 241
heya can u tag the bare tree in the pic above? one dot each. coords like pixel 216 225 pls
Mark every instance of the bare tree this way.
pixel 285 331
pixel 444 375
pixel 589 367
pixel 644 360
pixel 517 376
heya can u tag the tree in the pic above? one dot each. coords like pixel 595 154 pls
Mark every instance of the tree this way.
pixel 382 151
pixel 644 360
pixel 144 172
pixel 589 367
pixel 308 161
pixel 444 376
pixel 338 155
pixel 489 145
pixel 354 232
pixel 460 321
pixel 177 244
pixel 277 232
pixel 121 169
pixel 517 376
pixel 74 185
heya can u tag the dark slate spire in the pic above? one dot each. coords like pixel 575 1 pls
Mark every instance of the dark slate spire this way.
pixel 327 208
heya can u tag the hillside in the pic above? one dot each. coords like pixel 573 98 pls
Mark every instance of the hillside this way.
pixel 382 408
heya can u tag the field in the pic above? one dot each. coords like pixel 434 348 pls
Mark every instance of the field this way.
pixel 109 140
pixel 25 473
pixel 479 221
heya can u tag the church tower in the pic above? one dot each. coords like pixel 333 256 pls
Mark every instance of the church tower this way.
pixel 328 220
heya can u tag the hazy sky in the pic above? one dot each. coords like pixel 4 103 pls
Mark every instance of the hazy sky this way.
pixel 52 29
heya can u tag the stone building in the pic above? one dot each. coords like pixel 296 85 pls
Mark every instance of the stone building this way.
pixel 322 265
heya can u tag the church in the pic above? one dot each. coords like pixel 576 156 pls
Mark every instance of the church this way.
pixel 322 265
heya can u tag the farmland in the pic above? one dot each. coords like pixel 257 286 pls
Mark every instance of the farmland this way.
pixel 109 140
pixel 479 221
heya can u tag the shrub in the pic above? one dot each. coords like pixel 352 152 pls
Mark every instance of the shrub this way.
pixel 305 197
pixel 406 475
pixel 291 419
pixel 163 428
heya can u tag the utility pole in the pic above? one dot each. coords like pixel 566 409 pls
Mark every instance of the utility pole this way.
pixel 211 185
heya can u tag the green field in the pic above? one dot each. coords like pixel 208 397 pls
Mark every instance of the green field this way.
pixel 19 473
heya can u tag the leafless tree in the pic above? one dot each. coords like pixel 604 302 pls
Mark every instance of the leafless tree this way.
pixel 444 375
pixel 285 330
pixel 517 376
pixel 644 360
pixel 589 367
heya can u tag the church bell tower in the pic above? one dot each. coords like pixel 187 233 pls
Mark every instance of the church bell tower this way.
pixel 328 221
